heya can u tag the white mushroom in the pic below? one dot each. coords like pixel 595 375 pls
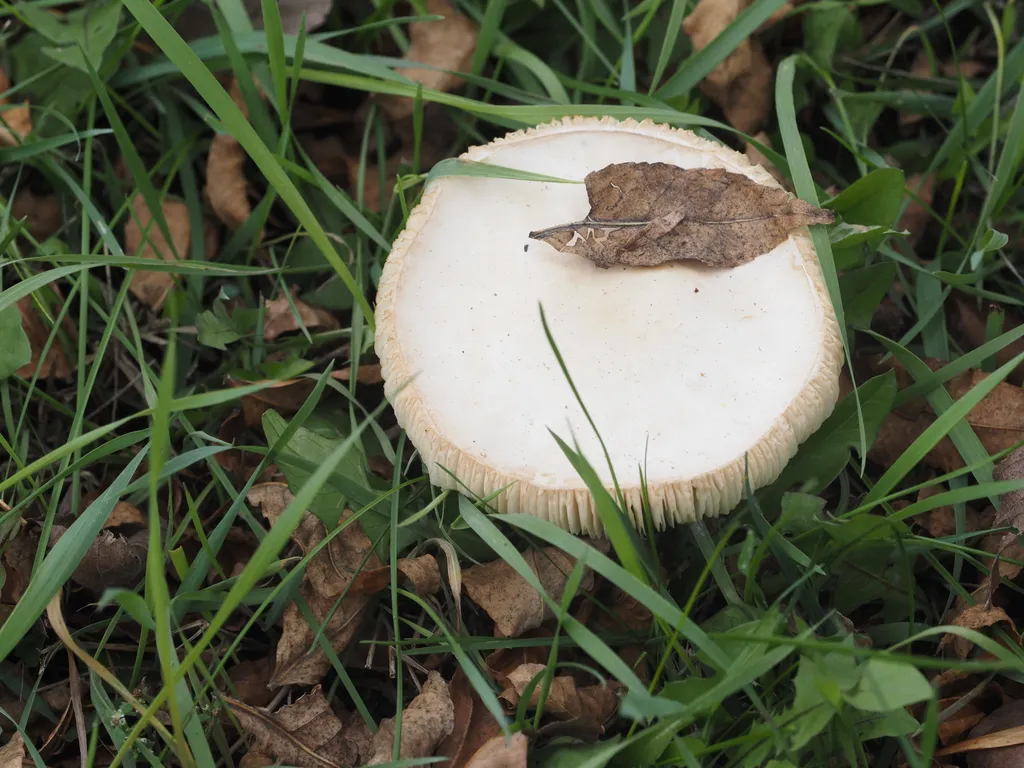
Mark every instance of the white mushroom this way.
pixel 693 375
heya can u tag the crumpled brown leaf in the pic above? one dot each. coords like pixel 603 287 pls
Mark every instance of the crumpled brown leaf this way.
pixel 645 214
pixel 15 121
pixel 968 320
pixel 473 724
pixel 250 679
pixel 447 44
pixel 1011 504
pixel 347 565
pixel 998 421
pixel 152 288
pixel 916 217
pixel 741 84
pixel 510 601
pixel 12 754
pixel 117 557
pixel 56 363
pixel 226 185
pixel 288 396
pixel 306 734
pixel 427 720
pixel 42 214
pixel 502 752
pixel 977 616
pixel 593 703
pixel 280 317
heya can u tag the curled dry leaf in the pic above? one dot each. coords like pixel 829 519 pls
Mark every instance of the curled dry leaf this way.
pixel 645 214
pixel 1011 504
pixel 226 185
pixel 968 320
pixel 145 238
pixel 281 318
pixel 12 754
pixel 346 566
pixel 306 734
pixel 427 720
pixel 117 557
pixel 255 760
pixel 41 213
pixel 473 724
pixel 15 119
pixel 250 679
pixel 447 44
pixel 741 84
pixel 502 752
pixel 977 616
pixel 56 363
pixel 593 703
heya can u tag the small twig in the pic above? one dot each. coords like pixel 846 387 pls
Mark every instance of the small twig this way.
pixel 76 702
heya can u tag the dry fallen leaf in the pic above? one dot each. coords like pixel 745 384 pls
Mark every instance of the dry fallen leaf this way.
pixel 592 703
pixel 473 723
pixel 346 566
pixel 644 214
pixel 250 679
pixel 997 741
pixel 56 362
pixel 501 752
pixel 288 396
pixel 145 239
pixel 15 121
pixel 306 734
pixel 42 214
pixel 280 317
pixel 447 44
pixel 741 84
pixel 508 598
pixel 195 20
pixel 226 185
pixel 427 720
pixel 757 157
pixel 978 616
pixel 117 557
pixel 1011 504
pixel 968 321
pixel 255 760
pixel 916 216
pixel 12 754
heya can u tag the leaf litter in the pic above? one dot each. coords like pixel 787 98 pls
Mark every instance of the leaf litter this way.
pixel 646 214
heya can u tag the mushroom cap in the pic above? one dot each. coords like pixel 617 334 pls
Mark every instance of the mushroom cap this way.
pixel 695 376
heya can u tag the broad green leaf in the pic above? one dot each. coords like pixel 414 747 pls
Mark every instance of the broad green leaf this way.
pixel 888 684
pixel 79 36
pixel 863 290
pixel 873 200
pixel 898 722
pixel 829 30
pixel 15 349
pixel 215 331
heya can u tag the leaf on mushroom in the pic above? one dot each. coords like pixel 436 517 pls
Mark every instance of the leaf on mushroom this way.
pixel 339 584
pixel 226 185
pixel 508 598
pixel 306 734
pixel 145 238
pixel 427 720
pixel 12 754
pixel 645 214
pixel 502 752
pixel 446 44
pixel 281 318
pixel 741 84
pixel 56 362
pixel 15 120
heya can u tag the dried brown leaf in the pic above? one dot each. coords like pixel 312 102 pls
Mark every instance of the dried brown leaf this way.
pixel 250 679
pixel 195 20
pixel 42 214
pixel 15 119
pixel 741 83
pixel 288 396
pixel 977 616
pixel 593 704
pixel 145 239
pixel 968 321
pixel 56 363
pixel 226 185
pixel 1011 504
pixel 281 318
pixel 473 726
pixel 124 513
pixel 427 720
pixel 992 754
pixel 645 214
pixel 255 760
pixel 509 599
pixel 112 560
pixel 502 752
pixel 447 44
pixel 916 216
pixel 306 734
pixel 12 754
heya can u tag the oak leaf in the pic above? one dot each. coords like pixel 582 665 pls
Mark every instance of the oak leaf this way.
pixel 502 752
pixel 427 720
pixel 447 44
pixel 15 120
pixel 306 734
pixel 145 238
pixel 508 598
pixel 645 214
